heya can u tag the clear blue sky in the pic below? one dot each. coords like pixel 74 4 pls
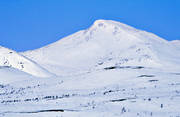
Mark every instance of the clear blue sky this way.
pixel 30 24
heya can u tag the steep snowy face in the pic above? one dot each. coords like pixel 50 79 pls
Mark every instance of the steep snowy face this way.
pixel 106 43
pixel 10 58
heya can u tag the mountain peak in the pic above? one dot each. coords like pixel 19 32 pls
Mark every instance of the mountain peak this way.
pixel 101 22
pixel 111 25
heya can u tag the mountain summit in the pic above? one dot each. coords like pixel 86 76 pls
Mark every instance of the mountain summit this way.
pixel 106 43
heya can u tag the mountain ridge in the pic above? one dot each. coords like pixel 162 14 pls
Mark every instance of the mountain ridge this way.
pixel 10 58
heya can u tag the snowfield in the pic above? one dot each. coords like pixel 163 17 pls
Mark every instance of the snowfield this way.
pixel 108 70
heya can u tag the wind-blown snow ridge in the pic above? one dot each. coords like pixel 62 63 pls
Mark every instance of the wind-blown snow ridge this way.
pixel 10 58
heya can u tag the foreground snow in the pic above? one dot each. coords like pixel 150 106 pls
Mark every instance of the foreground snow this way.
pixel 108 93
pixel 107 70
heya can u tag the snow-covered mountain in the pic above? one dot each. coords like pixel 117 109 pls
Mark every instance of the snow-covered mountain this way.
pixel 10 58
pixel 107 70
pixel 105 44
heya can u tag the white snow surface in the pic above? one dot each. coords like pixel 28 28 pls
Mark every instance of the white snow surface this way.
pixel 10 58
pixel 108 70
pixel 176 43
pixel 11 75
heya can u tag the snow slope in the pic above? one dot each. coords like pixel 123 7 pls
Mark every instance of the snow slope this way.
pixel 10 58
pixel 11 75
pixel 106 43
pixel 176 43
